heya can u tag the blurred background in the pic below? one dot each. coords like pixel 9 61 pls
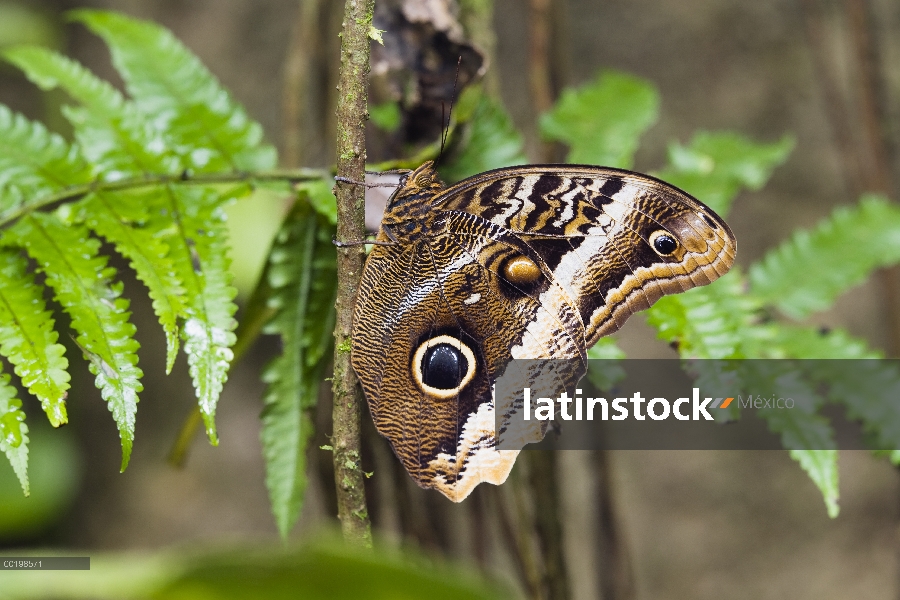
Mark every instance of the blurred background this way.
pixel 687 524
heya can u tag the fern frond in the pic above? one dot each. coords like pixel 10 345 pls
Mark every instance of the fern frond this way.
pixel 804 432
pixel 301 274
pixel 801 428
pixel 182 99
pixel 111 132
pixel 82 283
pixel 27 337
pixel 822 468
pixel 125 220
pixel 198 242
pixel 853 374
pixel 34 161
pixel 869 390
pixel 806 273
pixel 715 166
pixel 603 120
pixel 13 431
pixel 789 341
pixel 715 321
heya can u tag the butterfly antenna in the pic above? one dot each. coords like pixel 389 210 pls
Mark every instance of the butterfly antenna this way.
pixel 445 131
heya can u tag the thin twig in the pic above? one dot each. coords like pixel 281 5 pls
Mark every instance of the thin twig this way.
pixel 179 450
pixel 302 102
pixel 615 574
pixel 351 162
pixel 833 98
pixel 544 487
pixel 539 78
pixel 519 535
pixel 871 95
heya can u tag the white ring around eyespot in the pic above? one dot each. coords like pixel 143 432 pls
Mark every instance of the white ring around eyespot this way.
pixel 417 366
pixel 652 241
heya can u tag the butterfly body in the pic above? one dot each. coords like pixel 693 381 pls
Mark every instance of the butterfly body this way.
pixel 534 262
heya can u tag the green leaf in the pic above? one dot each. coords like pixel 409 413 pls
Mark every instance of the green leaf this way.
pixel 822 468
pixel 82 282
pixel 124 219
pixel 320 197
pixel 714 167
pixel 34 162
pixel 302 276
pixel 714 321
pixel 386 115
pixel 13 431
pixel 490 141
pixel 602 121
pixel 180 97
pixel 324 572
pixel 198 242
pixel 110 130
pixel 806 273
pixel 27 337
pixel 604 369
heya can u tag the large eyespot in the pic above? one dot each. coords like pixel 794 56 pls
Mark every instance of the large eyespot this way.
pixel 521 270
pixel 663 242
pixel 443 366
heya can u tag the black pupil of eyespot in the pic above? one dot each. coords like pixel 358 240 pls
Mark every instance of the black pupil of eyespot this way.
pixel 665 244
pixel 443 367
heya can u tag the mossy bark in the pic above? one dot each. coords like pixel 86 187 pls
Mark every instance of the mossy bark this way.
pixel 351 160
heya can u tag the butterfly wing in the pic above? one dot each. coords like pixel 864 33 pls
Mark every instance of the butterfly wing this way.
pixel 441 315
pixel 598 231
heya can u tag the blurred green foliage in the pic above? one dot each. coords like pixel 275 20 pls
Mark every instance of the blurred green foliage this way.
pixel 55 474
pixel 326 571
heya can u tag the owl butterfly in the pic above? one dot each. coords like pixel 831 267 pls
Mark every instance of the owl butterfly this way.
pixel 532 262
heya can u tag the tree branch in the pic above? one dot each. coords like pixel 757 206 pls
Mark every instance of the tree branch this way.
pixel 351 150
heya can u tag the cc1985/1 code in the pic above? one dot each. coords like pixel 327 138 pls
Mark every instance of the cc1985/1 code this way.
pixel 22 564
pixel 45 563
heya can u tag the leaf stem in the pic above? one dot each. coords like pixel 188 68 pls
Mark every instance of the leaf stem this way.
pixel 78 191
pixel 351 158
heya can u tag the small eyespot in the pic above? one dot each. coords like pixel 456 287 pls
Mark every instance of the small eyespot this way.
pixel 521 270
pixel 663 242
pixel 442 366
pixel 709 221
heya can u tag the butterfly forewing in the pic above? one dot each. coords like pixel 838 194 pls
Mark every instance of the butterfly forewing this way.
pixel 606 217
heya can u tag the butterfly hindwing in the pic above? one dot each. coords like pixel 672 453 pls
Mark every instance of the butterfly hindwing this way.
pixel 453 296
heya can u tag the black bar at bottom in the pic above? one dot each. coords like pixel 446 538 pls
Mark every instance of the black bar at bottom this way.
pixel 45 563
